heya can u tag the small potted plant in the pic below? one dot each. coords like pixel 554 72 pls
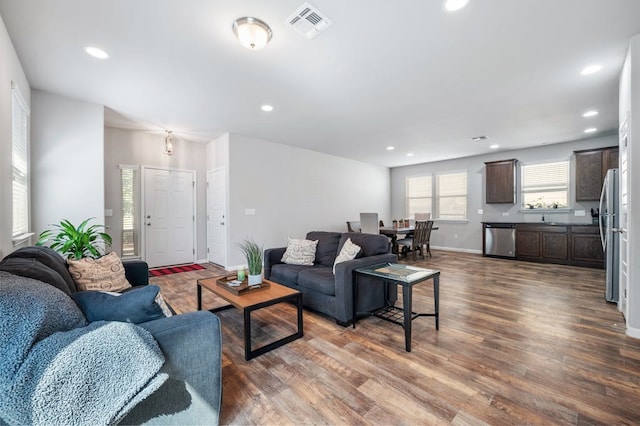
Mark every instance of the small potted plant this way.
pixel 76 243
pixel 253 253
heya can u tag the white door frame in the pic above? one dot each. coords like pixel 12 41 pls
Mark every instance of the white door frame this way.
pixel 143 223
pixel 226 215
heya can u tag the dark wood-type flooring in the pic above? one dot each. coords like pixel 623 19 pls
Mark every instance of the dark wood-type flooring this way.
pixel 519 343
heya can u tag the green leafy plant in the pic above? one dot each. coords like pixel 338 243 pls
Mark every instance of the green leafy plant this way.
pixel 72 242
pixel 253 253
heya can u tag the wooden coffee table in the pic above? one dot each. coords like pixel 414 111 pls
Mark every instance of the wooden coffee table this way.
pixel 253 301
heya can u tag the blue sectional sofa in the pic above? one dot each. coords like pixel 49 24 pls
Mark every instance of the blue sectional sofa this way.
pixel 333 294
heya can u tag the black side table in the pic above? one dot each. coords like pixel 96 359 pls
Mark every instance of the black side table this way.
pixel 405 276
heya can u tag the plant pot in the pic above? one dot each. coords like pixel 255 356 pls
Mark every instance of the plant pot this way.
pixel 255 279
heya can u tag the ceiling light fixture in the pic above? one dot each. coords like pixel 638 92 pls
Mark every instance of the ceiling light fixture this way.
pixel 591 113
pixel 391 148
pixel 266 108
pixel 494 146
pixel 591 130
pixel 591 69
pixel 168 142
pixel 253 33
pixel 454 5
pixel 410 154
pixel 96 52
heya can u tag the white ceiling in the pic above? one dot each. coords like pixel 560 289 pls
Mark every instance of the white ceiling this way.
pixel 402 73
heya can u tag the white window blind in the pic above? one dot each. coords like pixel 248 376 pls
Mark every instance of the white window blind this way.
pixel 419 195
pixel 20 162
pixel 451 196
pixel 129 210
pixel 545 185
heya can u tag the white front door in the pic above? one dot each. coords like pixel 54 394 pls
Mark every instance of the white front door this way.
pixel 216 216
pixel 622 220
pixel 168 216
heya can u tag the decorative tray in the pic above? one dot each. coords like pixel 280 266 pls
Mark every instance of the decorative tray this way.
pixel 230 284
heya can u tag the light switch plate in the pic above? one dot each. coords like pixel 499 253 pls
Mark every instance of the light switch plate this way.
pixel 579 213
pixel 480 211
pixel 505 214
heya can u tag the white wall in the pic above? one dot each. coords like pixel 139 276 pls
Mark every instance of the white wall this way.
pixel 630 102
pixel 145 148
pixel 10 70
pixel 67 160
pixel 469 234
pixel 294 191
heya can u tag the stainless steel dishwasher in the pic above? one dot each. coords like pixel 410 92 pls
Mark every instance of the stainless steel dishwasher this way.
pixel 500 239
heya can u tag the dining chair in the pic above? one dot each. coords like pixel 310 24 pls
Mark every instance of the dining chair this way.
pixel 353 225
pixel 422 216
pixel 419 241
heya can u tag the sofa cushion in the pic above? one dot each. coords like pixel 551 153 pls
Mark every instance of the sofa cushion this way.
pixel 371 244
pixel 40 263
pixel 105 273
pixel 300 252
pixel 327 248
pixel 349 251
pixel 135 306
pixel 319 279
pixel 286 274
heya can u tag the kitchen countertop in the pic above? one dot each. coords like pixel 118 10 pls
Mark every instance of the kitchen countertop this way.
pixel 540 223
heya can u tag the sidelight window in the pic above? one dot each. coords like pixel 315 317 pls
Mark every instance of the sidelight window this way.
pixel 129 210
pixel 20 164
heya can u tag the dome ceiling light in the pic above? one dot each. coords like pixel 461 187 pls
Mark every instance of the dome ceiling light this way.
pixel 253 33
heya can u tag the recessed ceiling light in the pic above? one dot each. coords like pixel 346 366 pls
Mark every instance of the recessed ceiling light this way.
pixel 267 108
pixel 453 5
pixel 591 113
pixel 494 146
pixel 96 52
pixel 391 148
pixel 591 130
pixel 591 69
pixel 410 154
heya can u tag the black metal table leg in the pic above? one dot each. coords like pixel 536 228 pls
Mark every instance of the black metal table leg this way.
pixel 436 299
pixel 354 302
pixel 199 297
pixel 407 295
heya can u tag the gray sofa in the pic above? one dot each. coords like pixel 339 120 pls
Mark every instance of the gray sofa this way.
pixel 189 343
pixel 333 294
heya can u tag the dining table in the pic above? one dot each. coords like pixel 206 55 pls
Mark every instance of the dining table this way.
pixel 392 232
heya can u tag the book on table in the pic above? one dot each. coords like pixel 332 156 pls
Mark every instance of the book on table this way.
pixel 404 272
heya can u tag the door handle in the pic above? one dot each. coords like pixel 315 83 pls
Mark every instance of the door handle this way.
pixel 619 230
pixel 148 216
pixel 148 223
pixel 221 223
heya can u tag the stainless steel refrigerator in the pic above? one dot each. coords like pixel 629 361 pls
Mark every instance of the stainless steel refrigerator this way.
pixel 608 233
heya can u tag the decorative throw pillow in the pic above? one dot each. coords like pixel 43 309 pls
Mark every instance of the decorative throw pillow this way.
pixel 138 305
pixel 349 252
pixel 105 273
pixel 300 252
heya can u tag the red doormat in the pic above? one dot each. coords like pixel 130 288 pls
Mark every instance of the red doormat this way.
pixel 158 272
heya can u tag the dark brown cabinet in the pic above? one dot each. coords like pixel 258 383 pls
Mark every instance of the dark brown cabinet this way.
pixel 500 179
pixel 591 167
pixel 577 245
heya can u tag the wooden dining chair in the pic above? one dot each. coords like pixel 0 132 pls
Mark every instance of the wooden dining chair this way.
pixel 418 242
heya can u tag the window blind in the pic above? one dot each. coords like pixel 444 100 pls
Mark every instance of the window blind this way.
pixel 545 185
pixel 418 195
pixel 129 210
pixel 451 196
pixel 20 162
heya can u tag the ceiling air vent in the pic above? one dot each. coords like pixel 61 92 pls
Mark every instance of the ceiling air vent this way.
pixel 479 138
pixel 308 21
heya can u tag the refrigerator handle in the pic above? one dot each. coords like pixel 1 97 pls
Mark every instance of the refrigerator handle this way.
pixel 602 195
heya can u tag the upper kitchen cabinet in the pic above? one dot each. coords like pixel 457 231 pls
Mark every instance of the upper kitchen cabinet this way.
pixel 501 181
pixel 591 167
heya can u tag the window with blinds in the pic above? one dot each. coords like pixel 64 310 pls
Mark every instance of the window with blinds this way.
pixel 20 162
pixel 129 210
pixel 418 195
pixel 451 196
pixel 545 185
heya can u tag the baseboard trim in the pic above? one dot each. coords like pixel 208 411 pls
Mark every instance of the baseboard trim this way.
pixel 633 332
pixel 460 250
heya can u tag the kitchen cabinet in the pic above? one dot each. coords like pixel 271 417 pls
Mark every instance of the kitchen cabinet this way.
pixel 565 244
pixel 591 167
pixel 500 180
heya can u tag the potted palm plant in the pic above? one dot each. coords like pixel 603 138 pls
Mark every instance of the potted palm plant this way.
pixel 76 242
pixel 252 251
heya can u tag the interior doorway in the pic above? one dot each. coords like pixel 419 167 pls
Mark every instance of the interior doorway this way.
pixel 168 216
pixel 216 216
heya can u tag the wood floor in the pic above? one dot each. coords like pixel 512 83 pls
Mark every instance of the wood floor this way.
pixel 519 343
